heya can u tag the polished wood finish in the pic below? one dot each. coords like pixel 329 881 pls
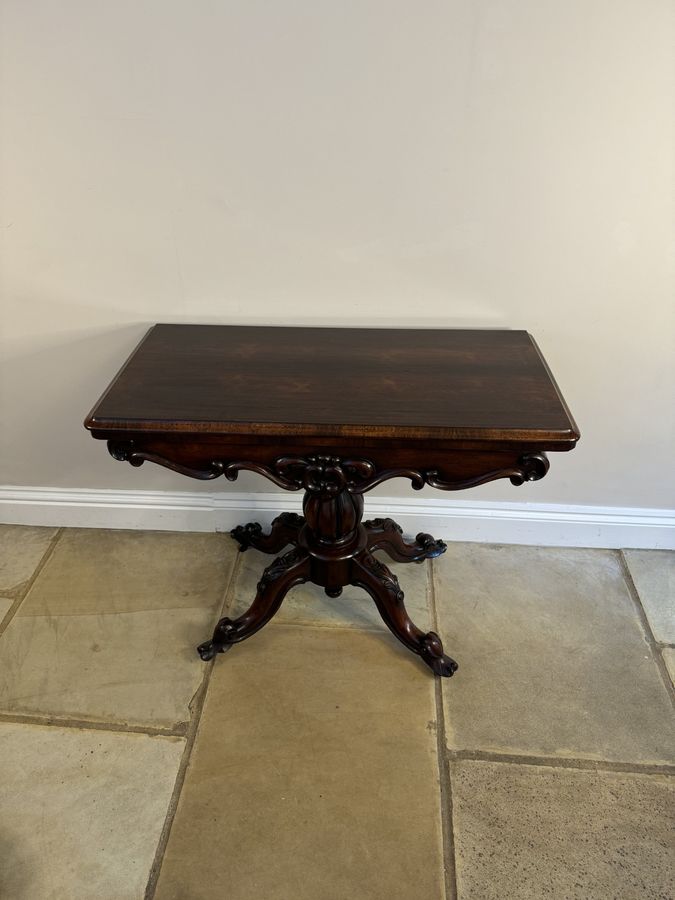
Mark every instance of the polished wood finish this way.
pixel 334 413
pixel 335 382
pixel 333 548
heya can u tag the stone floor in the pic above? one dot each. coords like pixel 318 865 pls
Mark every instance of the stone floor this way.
pixel 320 759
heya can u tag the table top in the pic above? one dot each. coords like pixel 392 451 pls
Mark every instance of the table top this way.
pixel 459 384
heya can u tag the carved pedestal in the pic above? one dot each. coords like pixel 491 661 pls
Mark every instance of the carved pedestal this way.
pixel 333 548
pixel 338 554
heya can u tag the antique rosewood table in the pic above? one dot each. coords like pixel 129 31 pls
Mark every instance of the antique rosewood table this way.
pixel 335 412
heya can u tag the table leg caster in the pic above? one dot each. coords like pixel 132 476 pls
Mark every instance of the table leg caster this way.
pixel 209 649
pixel 431 651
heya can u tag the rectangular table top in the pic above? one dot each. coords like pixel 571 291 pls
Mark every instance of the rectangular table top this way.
pixel 458 384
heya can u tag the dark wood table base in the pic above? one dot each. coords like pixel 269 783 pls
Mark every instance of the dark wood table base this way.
pixel 333 548
pixel 333 564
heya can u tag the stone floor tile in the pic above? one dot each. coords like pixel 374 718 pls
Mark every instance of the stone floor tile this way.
pixel 314 774
pixel 95 571
pixel 669 659
pixel 137 668
pixel 307 604
pixel 82 811
pixel 653 574
pixel 552 658
pixel 528 832
pixel 21 549
pixel 109 629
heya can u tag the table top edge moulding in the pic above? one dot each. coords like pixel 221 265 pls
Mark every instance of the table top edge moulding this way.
pixel 335 412
pixel 562 435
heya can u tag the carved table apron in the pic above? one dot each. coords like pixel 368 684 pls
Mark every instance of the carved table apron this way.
pixel 334 413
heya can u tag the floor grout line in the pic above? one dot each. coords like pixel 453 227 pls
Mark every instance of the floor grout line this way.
pixel 55 721
pixel 561 762
pixel 44 559
pixel 654 645
pixel 197 704
pixel 447 827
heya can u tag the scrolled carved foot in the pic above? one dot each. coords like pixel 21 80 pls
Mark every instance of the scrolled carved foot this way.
pixel 284 531
pixel 209 649
pixel 431 651
pixel 431 547
pixel 206 650
pixel 276 580
pixel 387 535
pixel 246 535
pixel 225 632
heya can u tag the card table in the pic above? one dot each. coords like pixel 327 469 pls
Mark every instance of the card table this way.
pixel 334 412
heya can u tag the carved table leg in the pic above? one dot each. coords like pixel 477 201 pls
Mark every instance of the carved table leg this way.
pixel 385 534
pixel 332 548
pixel 285 530
pixel 277 579
pixel 370 574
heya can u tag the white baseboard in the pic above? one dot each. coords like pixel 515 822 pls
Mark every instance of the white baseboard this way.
pixel 455 520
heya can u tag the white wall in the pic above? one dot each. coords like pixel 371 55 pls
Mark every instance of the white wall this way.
pixel 376 162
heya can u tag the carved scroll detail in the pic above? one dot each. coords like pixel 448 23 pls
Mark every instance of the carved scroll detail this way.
pixel 530 467
pixel 280 566
pixel 125 451
pixel 323 474
pixel 329 475
pixel 317 474
pixel 385 577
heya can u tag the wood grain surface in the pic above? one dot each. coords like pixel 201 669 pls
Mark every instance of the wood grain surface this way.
pixel 453 384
